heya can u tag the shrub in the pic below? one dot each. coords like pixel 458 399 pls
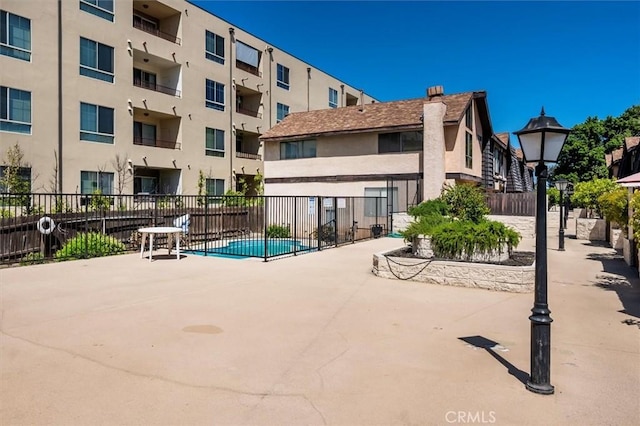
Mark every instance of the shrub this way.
pixel 463 238
pixel 326 235
pixel 277 231
pixel 91 244
pixel 426 208
pixel 466 202
pixel 586 194
pixel 635 205
pixel 423 225
pixel 614 205
pixel 99 202
pixel 5 213
pixel 554 196
pixel 33 258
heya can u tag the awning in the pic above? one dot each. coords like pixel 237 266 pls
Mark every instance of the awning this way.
pixel 630 181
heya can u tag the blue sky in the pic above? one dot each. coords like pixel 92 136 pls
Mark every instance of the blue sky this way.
pixel 578 59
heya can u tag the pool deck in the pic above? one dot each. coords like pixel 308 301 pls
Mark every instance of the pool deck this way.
pixel 313 339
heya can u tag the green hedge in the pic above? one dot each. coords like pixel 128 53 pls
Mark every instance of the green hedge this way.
pixel 91 244
pixel 461 238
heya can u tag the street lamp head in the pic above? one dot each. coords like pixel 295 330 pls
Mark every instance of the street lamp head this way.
pixel 561 184
pixel 542 139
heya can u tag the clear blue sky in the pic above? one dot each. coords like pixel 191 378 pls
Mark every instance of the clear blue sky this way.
pixel 578 59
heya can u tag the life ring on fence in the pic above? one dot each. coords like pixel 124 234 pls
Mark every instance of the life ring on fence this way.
pixel 46 225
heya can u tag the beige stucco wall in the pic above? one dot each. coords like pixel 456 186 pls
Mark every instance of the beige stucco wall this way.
pixel 183 65
pixel 455 141
pixel 407 162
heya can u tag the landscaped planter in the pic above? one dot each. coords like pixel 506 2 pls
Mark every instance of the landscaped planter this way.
pixel 591 229
pixel 615 236
pixel 421 247
pixel 517 279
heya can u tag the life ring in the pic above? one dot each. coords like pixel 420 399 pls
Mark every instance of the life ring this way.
pixel 46 225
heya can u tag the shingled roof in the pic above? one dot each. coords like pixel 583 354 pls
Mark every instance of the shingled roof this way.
pixel 614 157
pixel 631 142
pixel 396 115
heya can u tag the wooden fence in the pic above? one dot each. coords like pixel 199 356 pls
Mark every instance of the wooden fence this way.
pixel 512 203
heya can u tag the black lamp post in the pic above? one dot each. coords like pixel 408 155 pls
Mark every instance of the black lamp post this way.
pixel 567 204
pixel 561 185
pixel 541 141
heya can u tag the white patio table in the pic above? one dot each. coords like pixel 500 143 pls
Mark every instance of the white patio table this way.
pixel 171 231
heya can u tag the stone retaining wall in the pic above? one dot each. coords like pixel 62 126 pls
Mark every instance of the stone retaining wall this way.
pixel 591 229
pixel 517 279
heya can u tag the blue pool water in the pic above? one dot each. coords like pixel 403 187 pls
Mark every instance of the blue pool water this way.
pixel 254 248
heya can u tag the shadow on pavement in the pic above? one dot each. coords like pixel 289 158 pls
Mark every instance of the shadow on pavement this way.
pixel 623 280
pixel 489 345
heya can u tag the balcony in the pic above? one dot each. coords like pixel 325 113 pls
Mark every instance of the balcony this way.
pixel 158 19
pixel 155 73
pixel 248 68
pixel 156 143
pixel 248 102
pixel 248 145
pixel 156 129
pixel 249 156
pixel 249 112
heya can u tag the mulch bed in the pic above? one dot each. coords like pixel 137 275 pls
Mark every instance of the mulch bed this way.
pixel 518 258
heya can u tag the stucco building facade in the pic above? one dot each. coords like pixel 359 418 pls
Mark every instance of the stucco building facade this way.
pixel 164 87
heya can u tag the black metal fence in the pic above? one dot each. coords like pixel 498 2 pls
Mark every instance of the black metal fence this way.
pixel 36 228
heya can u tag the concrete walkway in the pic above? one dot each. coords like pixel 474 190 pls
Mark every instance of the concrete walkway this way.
pixel 314 339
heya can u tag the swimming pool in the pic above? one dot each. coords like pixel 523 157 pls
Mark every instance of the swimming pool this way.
pixel 254 248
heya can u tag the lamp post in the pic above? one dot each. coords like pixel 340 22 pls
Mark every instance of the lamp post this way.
pixel 567 203
pixel 561 185
pixel 541 141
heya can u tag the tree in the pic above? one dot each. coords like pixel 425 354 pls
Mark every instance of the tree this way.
pixel 12 180
pixel 582 158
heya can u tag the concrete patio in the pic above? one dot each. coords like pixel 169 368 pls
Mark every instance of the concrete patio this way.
pixel 313 339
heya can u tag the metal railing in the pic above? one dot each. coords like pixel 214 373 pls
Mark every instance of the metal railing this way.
pixel 156 87
pixel 156 143
pixel 151 29
pixel 36 228
pixel 248 155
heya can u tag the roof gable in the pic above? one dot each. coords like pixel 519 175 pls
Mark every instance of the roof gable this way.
pixel 382 116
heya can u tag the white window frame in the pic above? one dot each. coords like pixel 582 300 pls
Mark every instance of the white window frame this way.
pixel 8 109
pixel 333 103
pixel 98 11
pixel 214 152
pixel 284 82
pixel 281 107
pixel 9 46
pixel 98 70
pixel 213 56
pixel 97 133
pixel 212 103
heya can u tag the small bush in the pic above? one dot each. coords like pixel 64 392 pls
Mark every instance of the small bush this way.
pixel 466 202
pixel 460 239
pixel 91 244
pixel 430 207
pixel 277 231
pixel 33 259
pixel 5 213
pixel 423 225
pixel 614 206
pixel 554 196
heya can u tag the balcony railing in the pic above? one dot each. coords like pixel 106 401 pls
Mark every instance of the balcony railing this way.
pixel 151 29
pixel 156 87
pixel 249 156
pixel 248 112
pixel 156 143
pixel 248 68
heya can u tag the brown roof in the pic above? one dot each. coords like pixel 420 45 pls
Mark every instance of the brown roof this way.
pixel 519 154
pixel 631 142
pixel 376 116
pixel 616 155
pixel 608 160
pixel 504 138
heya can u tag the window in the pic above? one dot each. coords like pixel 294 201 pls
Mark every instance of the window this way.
pixel 100 8
pixel 15 36
pixel 297 149
pixel 333 98
pixel 144 79
pixel 498 162
pixel 215 186
pixel 96 123
pixel 96 60
pixel 282 111
pixel 400 142
pixel 144 134
pixel 215 95
pixel 378 207
pixel 283 77
pixel 15 110
pixel 468 151
pixel 468 118
pixel 24 175
pixel 91 182
pixel 214 144
pixel 214 47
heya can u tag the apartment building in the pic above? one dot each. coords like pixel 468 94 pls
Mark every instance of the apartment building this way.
pixel 143 96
